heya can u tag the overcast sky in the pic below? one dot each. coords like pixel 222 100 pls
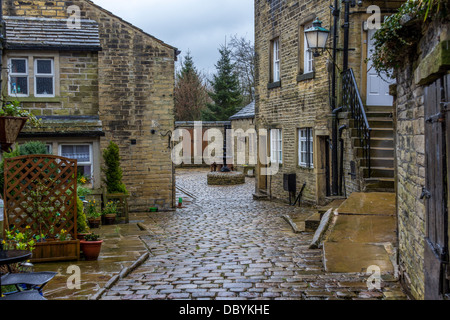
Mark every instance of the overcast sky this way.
pixel 199 26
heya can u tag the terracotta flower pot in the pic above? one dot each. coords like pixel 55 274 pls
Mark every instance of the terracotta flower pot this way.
pixel 80 236
pixel 91 249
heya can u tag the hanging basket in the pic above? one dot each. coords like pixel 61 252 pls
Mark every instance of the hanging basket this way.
pixel 10 128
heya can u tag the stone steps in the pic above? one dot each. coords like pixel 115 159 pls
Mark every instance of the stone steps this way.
pixel 382 172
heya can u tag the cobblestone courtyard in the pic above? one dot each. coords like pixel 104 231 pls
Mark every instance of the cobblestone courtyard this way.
pixel 224 245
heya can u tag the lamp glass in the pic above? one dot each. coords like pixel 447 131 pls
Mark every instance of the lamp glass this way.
pixel 316 36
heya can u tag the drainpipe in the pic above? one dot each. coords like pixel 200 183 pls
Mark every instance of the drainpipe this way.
pixel 347 31
pixel 334 155
pixel 341 170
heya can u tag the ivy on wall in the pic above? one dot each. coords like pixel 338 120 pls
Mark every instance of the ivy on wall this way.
pixel 400 33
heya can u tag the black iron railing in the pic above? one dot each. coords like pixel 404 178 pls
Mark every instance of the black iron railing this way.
pixel 352 103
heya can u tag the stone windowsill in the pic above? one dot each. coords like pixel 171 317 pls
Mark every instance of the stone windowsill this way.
pixel 305 168
pixel 306 76
pixel 35 99
pixel 273 85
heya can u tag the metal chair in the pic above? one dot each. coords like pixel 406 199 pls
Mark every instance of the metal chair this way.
pixel 34 280
pixel 23 296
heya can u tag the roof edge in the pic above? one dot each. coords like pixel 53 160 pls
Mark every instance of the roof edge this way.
pixel 130 24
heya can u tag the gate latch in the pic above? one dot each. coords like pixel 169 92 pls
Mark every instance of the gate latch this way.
pixel 425 194
pixel 440 117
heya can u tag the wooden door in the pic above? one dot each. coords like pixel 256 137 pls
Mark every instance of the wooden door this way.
pixel 436 190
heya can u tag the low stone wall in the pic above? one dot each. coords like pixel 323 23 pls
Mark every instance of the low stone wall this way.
pixel 225 178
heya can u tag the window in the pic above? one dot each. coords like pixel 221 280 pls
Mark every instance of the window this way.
pixel 18 77
pixel 276 146
pixel 82 153
pixel 276 60
pixel 44 79
pixel 305 148
pixel 308 56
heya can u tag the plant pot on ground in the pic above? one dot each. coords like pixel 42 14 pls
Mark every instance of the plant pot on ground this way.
pixel 91 247
pixel 81 236
pixel 94 216
pixel 94 223
pixel 110 213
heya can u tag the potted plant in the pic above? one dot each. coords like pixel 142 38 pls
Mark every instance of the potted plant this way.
pixel 115 188
pixel 82 224
pixel 12 120
pixel 110 212
pixel 93 215
pixel 91 247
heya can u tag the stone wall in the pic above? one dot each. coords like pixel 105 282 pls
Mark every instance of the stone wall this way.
pixel 410 142
pixel 135 96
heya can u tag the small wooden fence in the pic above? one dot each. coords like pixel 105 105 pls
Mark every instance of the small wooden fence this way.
pixel 40 194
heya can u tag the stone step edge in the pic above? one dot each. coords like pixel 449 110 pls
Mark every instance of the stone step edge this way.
pixel 324 226
pixel 125 272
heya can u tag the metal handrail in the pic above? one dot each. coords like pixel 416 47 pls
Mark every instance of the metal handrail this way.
pixel 352 103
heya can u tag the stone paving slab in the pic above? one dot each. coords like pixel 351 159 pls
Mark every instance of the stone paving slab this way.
pixel 364 229
pixel 376 203
pixel 122 246
pixel 356 257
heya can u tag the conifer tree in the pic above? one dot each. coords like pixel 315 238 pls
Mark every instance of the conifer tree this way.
pixel 226 94
pixel 190 92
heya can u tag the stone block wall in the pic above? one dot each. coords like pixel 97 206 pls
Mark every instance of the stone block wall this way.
pixel 135 96
pixel 296 103
pixel 410 142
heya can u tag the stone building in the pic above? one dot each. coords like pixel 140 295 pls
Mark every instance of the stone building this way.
pixel 94 80
pixel 245 139
pixel 294 99
pixel 423 165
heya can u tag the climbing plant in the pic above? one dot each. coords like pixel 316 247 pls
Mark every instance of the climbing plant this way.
pixel 400 33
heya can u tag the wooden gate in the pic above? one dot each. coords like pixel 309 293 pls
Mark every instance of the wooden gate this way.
pixel 40 194
pixel 437 126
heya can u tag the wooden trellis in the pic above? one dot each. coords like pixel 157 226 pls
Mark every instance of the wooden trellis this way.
pixel 51 180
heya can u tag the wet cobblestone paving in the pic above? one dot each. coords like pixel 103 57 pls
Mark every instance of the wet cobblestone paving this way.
pixel 223 245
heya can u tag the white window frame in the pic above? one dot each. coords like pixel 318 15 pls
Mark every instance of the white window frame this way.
pixel 44 75
pixel 11 74
pixel 276 146
pixel 308 57
pixel 305 139
pixel 276 75
pixel 83 164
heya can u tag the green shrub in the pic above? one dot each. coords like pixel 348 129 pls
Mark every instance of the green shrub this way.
pixel 82 225
pixel 112 170
pixel 32 147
